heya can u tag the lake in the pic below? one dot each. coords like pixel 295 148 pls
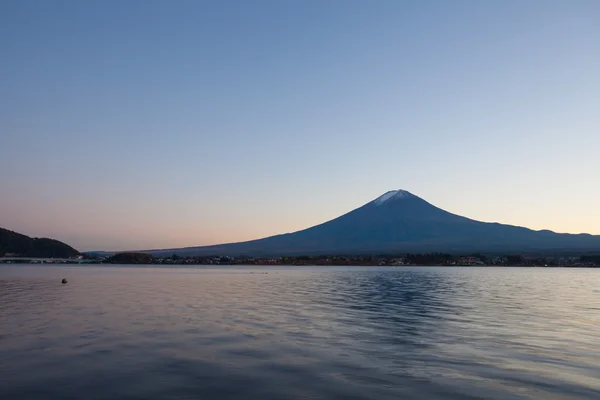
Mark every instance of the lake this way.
pixel 299 333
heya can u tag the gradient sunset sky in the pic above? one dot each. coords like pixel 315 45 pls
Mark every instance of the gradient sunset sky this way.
pixel 156 124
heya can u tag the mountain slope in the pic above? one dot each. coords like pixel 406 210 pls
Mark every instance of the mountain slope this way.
pixel 399 221
pixel 16 243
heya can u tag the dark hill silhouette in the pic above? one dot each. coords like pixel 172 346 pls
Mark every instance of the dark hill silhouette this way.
pixel 130 258
pixel 22 245
pixel 399 221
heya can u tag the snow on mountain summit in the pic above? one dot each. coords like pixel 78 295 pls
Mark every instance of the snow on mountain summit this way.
pixel 392 194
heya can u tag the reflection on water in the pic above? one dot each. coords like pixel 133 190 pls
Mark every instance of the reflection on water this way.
pixel 299 333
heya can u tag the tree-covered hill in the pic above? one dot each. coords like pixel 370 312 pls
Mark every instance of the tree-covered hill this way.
pixel 13 243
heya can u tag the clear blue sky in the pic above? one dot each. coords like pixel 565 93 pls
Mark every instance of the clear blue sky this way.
pixel 143 124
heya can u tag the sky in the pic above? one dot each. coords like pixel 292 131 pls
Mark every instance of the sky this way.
pixel 155 124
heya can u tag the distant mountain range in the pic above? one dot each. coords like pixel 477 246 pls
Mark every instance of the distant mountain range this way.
pixel 16 244
pixel 395 222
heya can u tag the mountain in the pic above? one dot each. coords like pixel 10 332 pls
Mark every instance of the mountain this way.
pixel 18 244
pixel 399 221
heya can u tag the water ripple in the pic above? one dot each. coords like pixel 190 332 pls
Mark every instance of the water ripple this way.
pixel 299 333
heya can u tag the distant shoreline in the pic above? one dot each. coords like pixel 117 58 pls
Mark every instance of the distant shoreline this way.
pixel 97 264
pixel 399 260
pixel 394 260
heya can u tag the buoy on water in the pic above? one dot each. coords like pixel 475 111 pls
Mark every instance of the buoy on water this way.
pixel 64 280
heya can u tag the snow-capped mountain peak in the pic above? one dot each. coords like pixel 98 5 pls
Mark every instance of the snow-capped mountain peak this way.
pixel 392 194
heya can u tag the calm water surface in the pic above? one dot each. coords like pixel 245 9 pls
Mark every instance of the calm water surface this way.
pixel 299 333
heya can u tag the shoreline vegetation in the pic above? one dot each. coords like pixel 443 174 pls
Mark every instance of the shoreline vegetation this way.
pixel 13 244
pixel 429 259
pixel 408 259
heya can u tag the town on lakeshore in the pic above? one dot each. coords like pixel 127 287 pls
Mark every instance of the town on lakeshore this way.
pixel 427 259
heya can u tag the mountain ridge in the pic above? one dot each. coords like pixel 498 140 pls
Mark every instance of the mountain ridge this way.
pixel 399 221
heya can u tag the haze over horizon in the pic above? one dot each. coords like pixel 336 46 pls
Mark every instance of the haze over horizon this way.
pixel 140 125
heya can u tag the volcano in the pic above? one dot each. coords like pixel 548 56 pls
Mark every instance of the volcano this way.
pixel 397 222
